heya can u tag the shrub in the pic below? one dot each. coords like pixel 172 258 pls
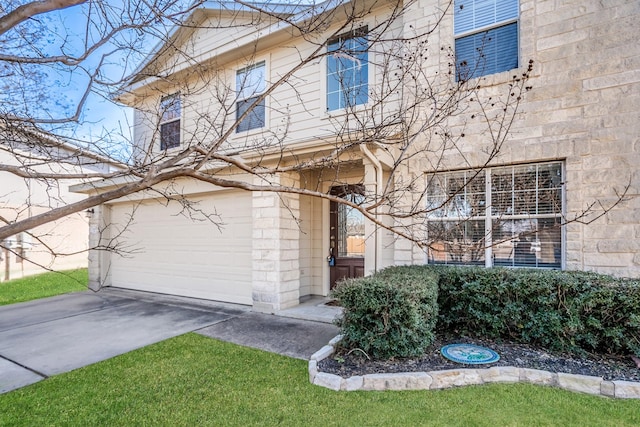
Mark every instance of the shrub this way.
pixel 393 313
pixel 559 310
pixel 390 314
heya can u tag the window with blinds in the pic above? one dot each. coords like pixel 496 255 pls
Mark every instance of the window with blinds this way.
pixel 170 112
pixel 509 216
pixel 486 37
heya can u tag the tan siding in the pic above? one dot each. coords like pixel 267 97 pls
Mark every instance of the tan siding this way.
pixel 295 111
pixel 319 257
pixel 216 33
pixel 305 249
pixel 313 256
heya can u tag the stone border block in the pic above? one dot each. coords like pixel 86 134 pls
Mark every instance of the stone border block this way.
pixel 353 383
pixel 335 340
pixel 538 377
pixel 397 381
pixel 626 389
pixel 313 370
pixel 330 381
pixel 323 353
pixel 500 374
pixel 580 383
pixel 455 377
pixel 462 377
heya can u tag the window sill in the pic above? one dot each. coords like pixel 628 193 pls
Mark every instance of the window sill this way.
pixel 250 132
pixel 343 112
pixel 169 150
pixel 501 78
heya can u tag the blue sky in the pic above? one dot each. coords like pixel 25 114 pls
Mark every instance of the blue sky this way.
pixel 65 87
pixel 99 115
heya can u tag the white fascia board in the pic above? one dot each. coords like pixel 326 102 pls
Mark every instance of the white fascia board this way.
pixel 101 184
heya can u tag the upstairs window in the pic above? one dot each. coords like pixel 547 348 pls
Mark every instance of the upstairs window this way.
pixel 347 70
pixel 250 84
pixel 170 111
pixel 505 216
pixel 486 33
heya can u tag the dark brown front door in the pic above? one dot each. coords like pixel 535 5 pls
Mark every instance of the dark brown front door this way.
pixel 346 235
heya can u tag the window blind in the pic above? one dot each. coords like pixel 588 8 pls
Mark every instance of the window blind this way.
pixel 472 15
pixel 487 52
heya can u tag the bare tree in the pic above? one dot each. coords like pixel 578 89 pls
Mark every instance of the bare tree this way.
pixel 422 107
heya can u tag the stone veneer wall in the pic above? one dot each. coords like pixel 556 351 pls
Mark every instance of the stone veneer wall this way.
pixel 583 109
pixel 276 247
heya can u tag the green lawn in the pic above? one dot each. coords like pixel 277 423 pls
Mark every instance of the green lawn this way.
pixel 43 285
pixel 192 380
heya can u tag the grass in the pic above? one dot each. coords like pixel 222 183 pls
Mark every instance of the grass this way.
pixel 194 380
pixel 43 285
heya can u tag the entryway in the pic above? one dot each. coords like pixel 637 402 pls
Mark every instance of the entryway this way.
pixel 346 235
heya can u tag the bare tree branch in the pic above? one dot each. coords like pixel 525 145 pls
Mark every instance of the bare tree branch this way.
pixel 29 10
pixel 422 109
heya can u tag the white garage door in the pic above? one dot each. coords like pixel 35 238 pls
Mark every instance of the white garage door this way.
pixel 173 254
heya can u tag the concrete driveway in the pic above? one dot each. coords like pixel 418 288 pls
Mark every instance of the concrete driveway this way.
pixel 55 335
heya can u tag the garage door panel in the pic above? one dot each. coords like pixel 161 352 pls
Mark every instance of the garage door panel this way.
pixel 176 255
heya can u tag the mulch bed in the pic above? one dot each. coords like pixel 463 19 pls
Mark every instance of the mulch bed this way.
pixel 347 364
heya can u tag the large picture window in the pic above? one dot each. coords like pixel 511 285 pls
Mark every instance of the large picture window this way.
pixel 486 33
pixel 250 84
pixel 508 216
pixel 170 111
pixel 347 70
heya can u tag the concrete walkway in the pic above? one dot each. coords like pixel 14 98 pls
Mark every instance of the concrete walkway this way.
pixel 55 335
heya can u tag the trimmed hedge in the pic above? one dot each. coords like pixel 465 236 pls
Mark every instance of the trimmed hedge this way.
pixel 394 312
pixel 559 310
pixel 390 314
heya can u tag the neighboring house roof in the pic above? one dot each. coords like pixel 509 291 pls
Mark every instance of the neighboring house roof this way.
pixel 53 148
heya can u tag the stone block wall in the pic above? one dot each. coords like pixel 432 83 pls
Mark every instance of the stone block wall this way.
pixel 583 108
pixel 276 248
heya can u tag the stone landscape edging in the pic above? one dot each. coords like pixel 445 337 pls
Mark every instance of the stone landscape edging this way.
pixel 434 380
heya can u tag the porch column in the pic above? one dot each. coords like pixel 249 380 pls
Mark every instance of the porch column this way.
pixel 276 247
pixel 380 241
pixel 371 230
pixel 405 252
pixel 98 259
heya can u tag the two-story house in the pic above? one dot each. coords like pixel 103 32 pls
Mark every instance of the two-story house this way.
pixel 373 101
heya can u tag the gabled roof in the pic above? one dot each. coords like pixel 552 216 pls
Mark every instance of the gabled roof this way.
pixel 292 14
pixel 199 13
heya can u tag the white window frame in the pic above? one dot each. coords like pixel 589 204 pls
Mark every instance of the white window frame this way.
pixel 361 31
pixel 244 94
pixel 458 35
pixel 459 211
pixel 167 118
